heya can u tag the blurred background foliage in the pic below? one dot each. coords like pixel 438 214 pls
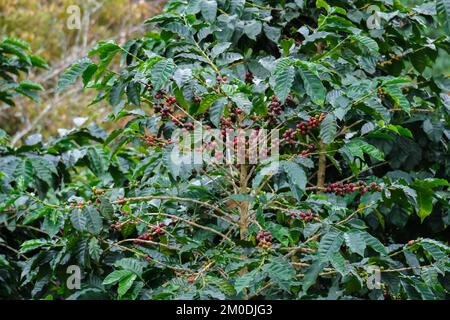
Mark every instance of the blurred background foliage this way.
pixel 442 65
pixel 43 23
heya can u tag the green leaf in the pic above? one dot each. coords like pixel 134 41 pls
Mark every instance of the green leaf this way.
pixel 242 102
pixel 36 214
pixel 367 42
pixel 27 84
pixel 106 209
pixel 323 4
pixel 313 85
pixel 245 281
pixel 311 275
pixel 163 17
pixel 16 50
pixel 338 262
pixel 219 49
pixel 207 101
pixel 95 250
pixel 438 250
pixel 357 147
pixel 443 9
pixel 70 75
pixel 131 264
pixel 93 220
pixel 31 245
pixel 280 269
pixel 78 219
pixel 216 111
pixel 253 29
pixel 98 160
pixel 328 129
pixel 116 276
pixel 224 285
pixel 209 10
pixel 396 93
pixel 296 177
pixel 125 284
pixel 355 242
pixel 400 130
pixel 38 62
pixel 330 244
pixel 115 94
pixel 424 290
pixel 25 171
pixel 284 78
pixel 44 169
pixel 134 93
pixel 18 43
pixel 272 33
pixel 425 202
pixel 161 72
pixel 374 243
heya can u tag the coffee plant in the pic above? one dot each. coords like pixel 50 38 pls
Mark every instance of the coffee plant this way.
pixel 16 58
pixel 358 208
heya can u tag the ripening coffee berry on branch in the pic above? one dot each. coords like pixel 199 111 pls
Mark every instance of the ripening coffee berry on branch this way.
pixel 189 126
pixel 289 136
pixel 307 152
pixel 306 126
pixel 160 94
pixel 306 216
pixel 142 238
pixel 341 189
pixel 249 77
pixel 171 100
pixel 264 239
pixel 222 79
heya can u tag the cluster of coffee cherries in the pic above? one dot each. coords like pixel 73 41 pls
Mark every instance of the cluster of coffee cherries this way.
pixel 341 189
pixel 189 126
pixel 264 239
pixel 166 109
pixel 153 141
pixel 374 187
pixel 227 122
pixel 306 152
pixel 143 237
pixel 275 107
pixel 154 231
pixel 197 99
pixel 307 215
pixel 116 226
pixel 150 139
pixel 222 79
pixel 181 122
pixel 158 229
pixel 304 127
pixel 289 136
pixel 249 77
pixel 78 205
pixel 381 93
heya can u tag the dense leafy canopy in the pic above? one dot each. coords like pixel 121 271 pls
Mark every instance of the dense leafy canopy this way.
pixel 16 58
pixel 363 174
